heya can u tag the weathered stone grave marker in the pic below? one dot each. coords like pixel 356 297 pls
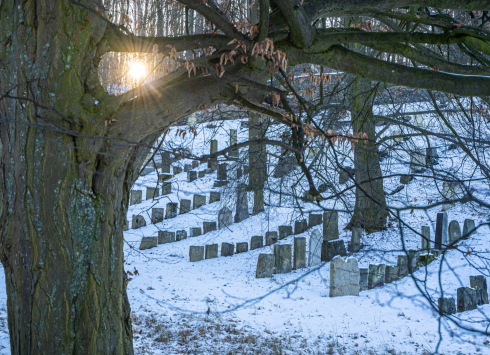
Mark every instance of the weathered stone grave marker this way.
pixel 198 201
pixel 270 238
pixel 314 220
pixel 211 251
pixel 441 231
pixel 156 215
pixel 425 238
pixel 376 276
pixel 195 231
pixel 208 227
pixel 256 242
pixel 225 218
pixel 191 175
pixel 265 266
pixel 466 299
pixel 166 188
pixel 468 227
pixel 299 257
pixel 344 277
pixel 241 247
pixel 355 241
pixel 453 232
pixel 196 253
pixel 479 283
pixel 391 274
pixel 330 225
pixel 148 242
pixel 185 206
pixel 214 197
pixel 315 251
pixel 402 263
pixel 300 226
pixel 363 279
pixel 241 204
pixel 180 235
pixel 447 306
pixel 282 258
pixel 332 248
pixel 171 210
pixel 227 249
pixel 165 237
pixel 138 222
pixel 136 197
pixel 285 231
pixel 152 192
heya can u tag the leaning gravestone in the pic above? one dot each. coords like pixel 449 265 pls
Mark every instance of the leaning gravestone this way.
pixel 479 283
pixel 191 175
pixel 363 279
pixel 241 247
pixel 330 225
pixel 208 227
pixel 195 231
pixel 148 242
pixel 299 257
pixel 136 197
pixel 453 232
pixel 198 201
pixel 391 274
pixel 256 242
pixel 402 263
pixel 185 206
pixel 171 210
pixel 447 306
pixel 300 226
pixel 138 222
pixel 344 277
pixel 165 237
pixel 468 227
pixel 180 235
pixel 214 197
pixel 314 220
pixel 425 238
pixel 156 215
pixel 241 204
pixel 211 251
pixel 227 249
pixel 152 192
pixel 413 260
pixel 265 266
pixel 270 238
pixel 355 241
pixel 166 188
pixel 333 248
pixel 466 299
pixel 196 253
pixel 282 258
pixel 376 276
pixel 315 252
pixel 441 231
pixel 225 218
pixel 285 231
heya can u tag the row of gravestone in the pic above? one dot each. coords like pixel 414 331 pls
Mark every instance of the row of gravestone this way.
pixel 172 209
pixel 467 297
pixel 446 235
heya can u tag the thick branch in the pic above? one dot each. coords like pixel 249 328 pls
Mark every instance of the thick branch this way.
pixel 301 31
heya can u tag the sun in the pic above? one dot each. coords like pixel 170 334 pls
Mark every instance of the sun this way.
pixel 137 70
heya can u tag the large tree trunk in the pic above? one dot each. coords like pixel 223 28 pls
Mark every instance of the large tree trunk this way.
pixel 370 207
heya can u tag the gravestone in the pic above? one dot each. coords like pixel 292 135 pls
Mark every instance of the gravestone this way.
pixel 285 231
pixel 211 251
pixel 299 256
pixel 194 164
pixel 208 227
pixel 227 249
pixel 270 238
pixel 166 188
pixel 233 141
pixel 468 227
pixel 425 238
pixel 440 241
pixel 138 222
pixel 344 277
pixel 282 258
pixel 214 197
pixel 180 235
pixel 201 173
pixel 176 170
pixel 417 161
pixel 333 248
pixel 391 274
pixel 363 279
pixel 165 237
pixel 152 192
pixel 402 263
pixel 166 161
pixel 164 177
pixel 413 260
pixel 222 174
pixel 431 156
pixel 479 283
pixel 225 218
pixel 196 253
pixel 187 168
pixel 330 225
pixel 198 201
pixel 256 242
pixel 185 206
pixel 212 166
pixel 195 231
pixel 148 242
pixel 314 220
pixel 265 266
pixel 447 306
pixel 136 197
pixel 300 226
pixel 355 240
pixel 213 148
pixel 191 175
pixel 315 251
pixel 453 232
pixel 171 210
pixel 466 299
pixel 156 215
pixel 376 276
pixel 241 247
pixel 241 204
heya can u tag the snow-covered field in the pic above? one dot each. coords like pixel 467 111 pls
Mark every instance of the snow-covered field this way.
pixel 217 306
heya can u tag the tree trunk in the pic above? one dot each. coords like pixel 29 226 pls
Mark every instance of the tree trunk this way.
pixel 370 207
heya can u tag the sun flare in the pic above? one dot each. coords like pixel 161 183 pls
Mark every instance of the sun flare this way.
pixel 137 70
